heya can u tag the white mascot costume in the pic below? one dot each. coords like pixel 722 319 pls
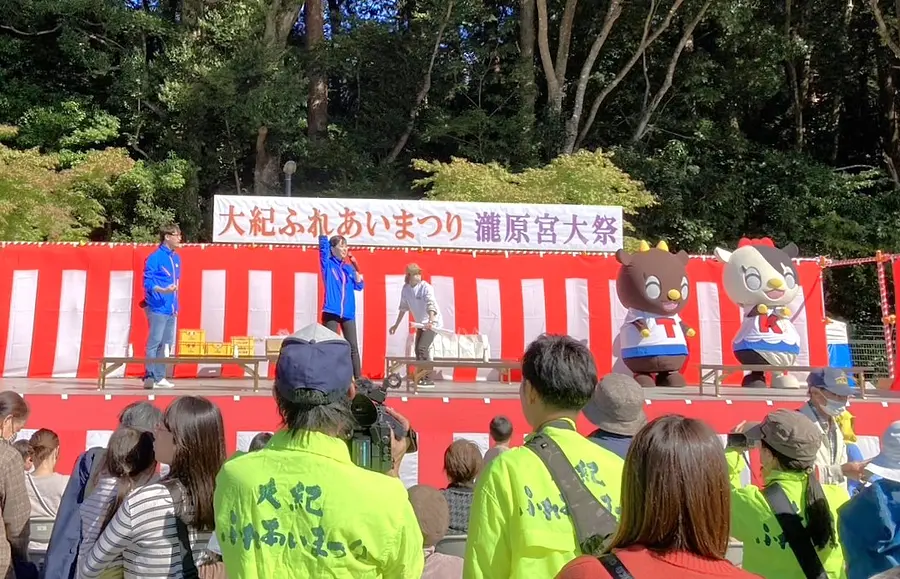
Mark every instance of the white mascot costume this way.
pixel 763 280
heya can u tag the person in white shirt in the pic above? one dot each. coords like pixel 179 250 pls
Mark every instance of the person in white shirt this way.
pixel 45 486
pixel 829 391
pixel 417 298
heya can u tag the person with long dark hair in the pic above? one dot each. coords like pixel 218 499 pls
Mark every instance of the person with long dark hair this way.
pixel 675 507
pixel 342 279
pixel 789 443
pixel 147 533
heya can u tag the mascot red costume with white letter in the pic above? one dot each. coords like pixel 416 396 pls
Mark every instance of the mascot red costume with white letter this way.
pixel 653 285
pixel 763 280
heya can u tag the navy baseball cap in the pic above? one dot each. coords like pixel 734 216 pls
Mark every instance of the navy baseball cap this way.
pixel 313 359
pixel 832 379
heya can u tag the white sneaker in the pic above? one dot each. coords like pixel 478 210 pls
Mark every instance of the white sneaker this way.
pixel 164 384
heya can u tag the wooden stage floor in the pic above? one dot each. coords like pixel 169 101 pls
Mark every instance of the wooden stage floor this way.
pixel 244 387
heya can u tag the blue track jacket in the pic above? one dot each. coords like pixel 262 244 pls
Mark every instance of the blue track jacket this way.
pixel 162 269
pixel 340 283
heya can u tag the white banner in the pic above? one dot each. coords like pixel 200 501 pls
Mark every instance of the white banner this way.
pixel 381 223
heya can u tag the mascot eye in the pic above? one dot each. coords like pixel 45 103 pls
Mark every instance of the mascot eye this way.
pixel 684 289
pixel 752 279
pixel 790 280
pixel 652 287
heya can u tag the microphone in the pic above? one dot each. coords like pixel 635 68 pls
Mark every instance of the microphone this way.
pixel 353 262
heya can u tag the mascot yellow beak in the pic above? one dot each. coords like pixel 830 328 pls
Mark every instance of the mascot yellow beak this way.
pixel 775 283
pixel 674 295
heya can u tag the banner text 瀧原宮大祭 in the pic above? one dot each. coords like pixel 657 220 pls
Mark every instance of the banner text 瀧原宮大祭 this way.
pixel 427 224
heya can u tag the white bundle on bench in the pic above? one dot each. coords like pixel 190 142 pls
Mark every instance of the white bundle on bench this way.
pixel 454 346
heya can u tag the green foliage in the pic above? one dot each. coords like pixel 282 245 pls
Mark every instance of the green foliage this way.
pixel 67 126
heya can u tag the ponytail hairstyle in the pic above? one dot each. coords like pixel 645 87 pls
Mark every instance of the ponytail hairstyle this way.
pixel 44 443
pixel 129 455
pixel 819 521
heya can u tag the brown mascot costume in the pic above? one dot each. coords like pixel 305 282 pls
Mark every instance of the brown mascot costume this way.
pixel 653 285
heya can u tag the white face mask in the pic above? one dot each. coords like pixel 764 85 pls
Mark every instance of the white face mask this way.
pixel 834 408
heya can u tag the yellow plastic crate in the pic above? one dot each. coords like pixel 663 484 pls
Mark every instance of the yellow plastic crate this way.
pixel 190 349
pixel 273 345
pixel 244 346
pixel 192 336
pixel 219 349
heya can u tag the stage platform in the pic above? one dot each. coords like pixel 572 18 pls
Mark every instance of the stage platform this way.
pixel 213 387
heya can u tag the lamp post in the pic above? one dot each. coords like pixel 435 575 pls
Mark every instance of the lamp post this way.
pixel 289 169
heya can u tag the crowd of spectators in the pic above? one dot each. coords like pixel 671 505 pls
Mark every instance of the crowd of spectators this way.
pixel 634 499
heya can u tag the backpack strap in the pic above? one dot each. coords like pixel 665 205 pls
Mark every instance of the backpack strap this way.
pixel 593 522
pixel 796 534
pixel 188 565
pixel 615 567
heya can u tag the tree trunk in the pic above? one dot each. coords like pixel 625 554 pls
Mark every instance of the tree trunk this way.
pixel 890 121
pixel 265 173
pixel 647 40
pixel 423 92
pixel 837 106
pixel 526 58
pixel 334 16
pixel 613 11
pixel 555 72
pixel 654 103
pixel 317 102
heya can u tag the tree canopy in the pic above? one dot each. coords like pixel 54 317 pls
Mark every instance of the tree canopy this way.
pixel 707 120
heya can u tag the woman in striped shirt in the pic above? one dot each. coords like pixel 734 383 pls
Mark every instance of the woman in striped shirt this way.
pixel 143 536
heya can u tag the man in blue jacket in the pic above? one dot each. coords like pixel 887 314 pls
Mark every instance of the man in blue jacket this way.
pixel 162 271
pixel 341 280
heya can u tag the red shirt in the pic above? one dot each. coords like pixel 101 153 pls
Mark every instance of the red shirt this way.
pixel 644 564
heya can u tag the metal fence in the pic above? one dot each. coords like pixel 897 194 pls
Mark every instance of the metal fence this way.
pixel 867 347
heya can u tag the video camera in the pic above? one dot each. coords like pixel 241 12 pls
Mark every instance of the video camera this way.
pixel 370 444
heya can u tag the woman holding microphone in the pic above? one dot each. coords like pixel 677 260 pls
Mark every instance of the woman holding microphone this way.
pixel 341 280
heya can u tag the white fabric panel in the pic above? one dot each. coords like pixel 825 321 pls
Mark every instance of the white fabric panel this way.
pixel 798 317
pixel 259 314
pixel 618 313
pixel 21 323
pixel 306 300
pixel 710 330
pixel 245 437
pixel 481 439
pixel 118 317
pixel 97 438
pixel 70 323
pixel 489 323
pixel 578 311
pixel 534 312
pixel 212 313
pixel 409 469
pixel 869 446
pixel 445 294
pixel 836 333
pixel 396 344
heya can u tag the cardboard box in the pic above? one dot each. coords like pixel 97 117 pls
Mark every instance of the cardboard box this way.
pixel 273 345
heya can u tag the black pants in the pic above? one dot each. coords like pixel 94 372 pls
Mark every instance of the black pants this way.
pixel 348 329
pixel 424 338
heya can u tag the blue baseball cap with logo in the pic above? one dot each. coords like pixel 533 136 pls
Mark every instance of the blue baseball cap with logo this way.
pixel 834 380
pixel 314 359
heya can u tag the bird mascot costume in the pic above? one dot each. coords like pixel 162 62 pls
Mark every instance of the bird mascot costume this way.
pixel 653 285
pixel 762 279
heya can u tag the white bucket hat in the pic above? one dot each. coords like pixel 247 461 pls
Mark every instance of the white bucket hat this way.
pixel 887 463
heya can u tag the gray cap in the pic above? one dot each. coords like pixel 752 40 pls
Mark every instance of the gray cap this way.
pixel 617 405
pixel 834 380
pixel 791 434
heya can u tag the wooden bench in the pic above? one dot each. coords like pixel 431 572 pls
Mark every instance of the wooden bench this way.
pixel 717 372
pixel 395 363
pixel 250 364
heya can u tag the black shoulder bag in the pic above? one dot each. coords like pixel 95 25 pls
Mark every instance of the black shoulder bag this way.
pixel 615 567
pixel 593 522
pixel 795 532
pixel 188 566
